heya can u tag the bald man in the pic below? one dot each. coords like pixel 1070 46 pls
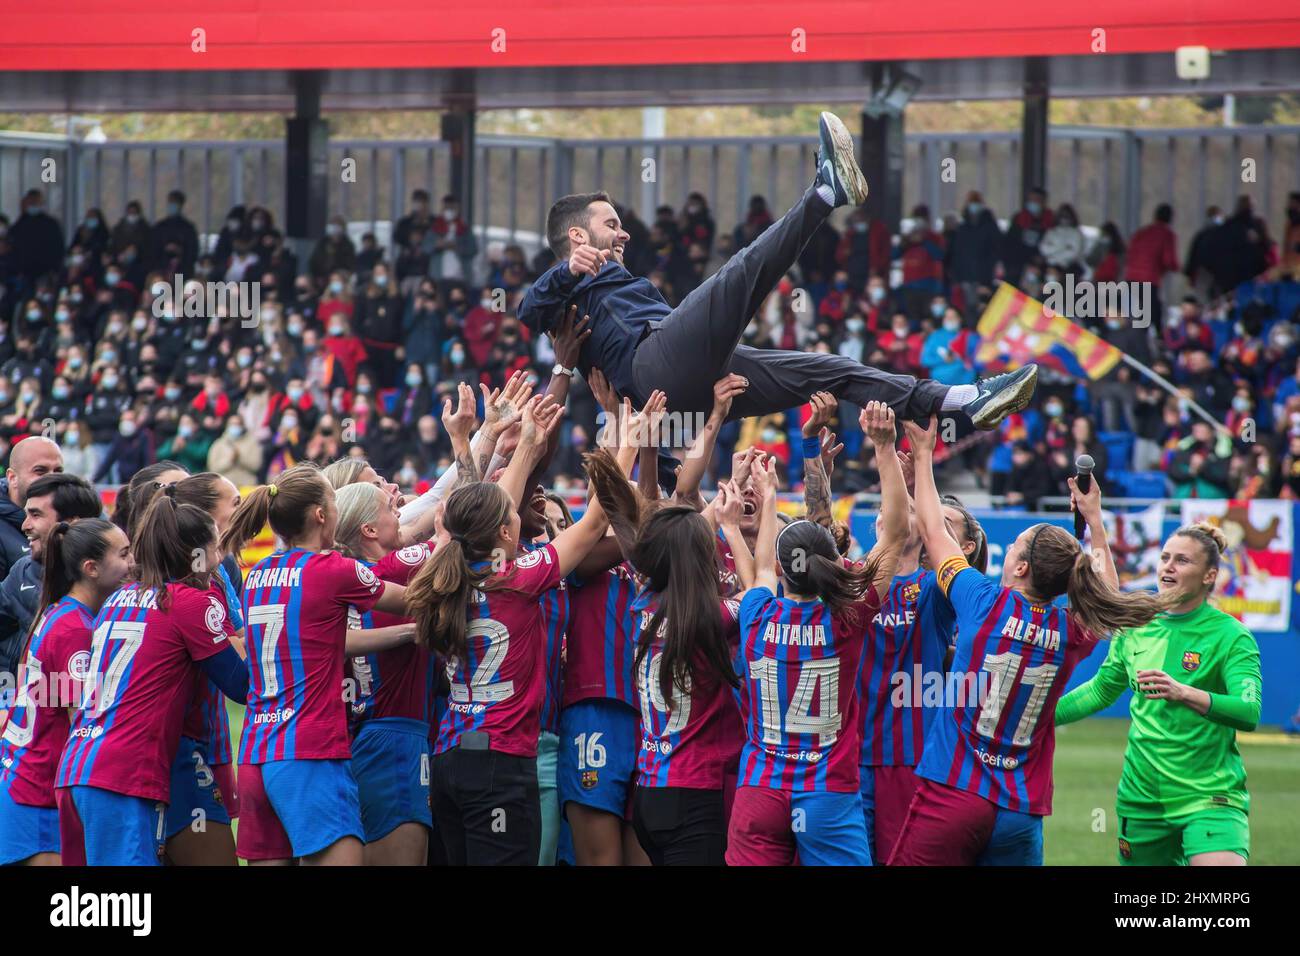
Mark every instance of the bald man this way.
pixel 30 459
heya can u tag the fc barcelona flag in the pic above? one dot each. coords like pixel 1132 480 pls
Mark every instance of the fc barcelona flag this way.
pixel 1015 330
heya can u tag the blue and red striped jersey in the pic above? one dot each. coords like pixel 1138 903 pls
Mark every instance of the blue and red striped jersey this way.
pixel 498 688
pixel 902 663
pixel 555 616
pixel 296 615
pixel 692 742
pixel 144 656
pixel 995 736
pixel 799 696
pixel 33 733
pixel 601 645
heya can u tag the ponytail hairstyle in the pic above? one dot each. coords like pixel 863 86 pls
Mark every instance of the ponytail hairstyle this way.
pixel 344 472
pixel 619 498
pixel 284 503
pixel 201 490
pixel 67 547
pixel 1212 540
pixel 125 505
pixel 675 551
pixel 972 530
pixel 358 504
pixel 438 596
pixel 811 564
pixel 1058 565
pixel 171 536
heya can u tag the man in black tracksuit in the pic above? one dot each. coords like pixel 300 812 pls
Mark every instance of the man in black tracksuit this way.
pixel 640 343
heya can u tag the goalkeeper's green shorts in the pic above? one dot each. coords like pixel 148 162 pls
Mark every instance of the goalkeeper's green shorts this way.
pixel 1174 841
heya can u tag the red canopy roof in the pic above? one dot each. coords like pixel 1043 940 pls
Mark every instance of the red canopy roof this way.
pixel 323 34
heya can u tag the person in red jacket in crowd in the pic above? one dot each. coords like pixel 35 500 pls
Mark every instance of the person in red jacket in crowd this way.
pixel 1152 253
pixel 1188 329
pixel 921 254
pixel 839 299
pixel 1020 245
pixel 1107 256
pixel 343 347
pixel 212 402
pixel 902 346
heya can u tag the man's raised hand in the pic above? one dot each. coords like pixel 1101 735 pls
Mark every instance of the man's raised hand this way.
pixel 877 421
pixel 587 260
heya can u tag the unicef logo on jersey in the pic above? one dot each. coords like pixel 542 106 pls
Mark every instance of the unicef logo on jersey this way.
pixel 998 760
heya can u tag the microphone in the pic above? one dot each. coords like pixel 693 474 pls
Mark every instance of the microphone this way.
pixel 1083 466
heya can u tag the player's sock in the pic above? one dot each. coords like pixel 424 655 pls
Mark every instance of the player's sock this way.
pixel 959 396
pixel 826 193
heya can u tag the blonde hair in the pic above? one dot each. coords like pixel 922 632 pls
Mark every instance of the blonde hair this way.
pixel 1212 540
pixel 344 472
pixel 358 504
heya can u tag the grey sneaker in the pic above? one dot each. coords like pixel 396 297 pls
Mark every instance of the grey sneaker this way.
pixel 1000 396
pixel 836 165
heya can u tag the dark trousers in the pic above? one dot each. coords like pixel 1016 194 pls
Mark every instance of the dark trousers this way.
pixel 486 808
pixel 697 343
pixel 680 827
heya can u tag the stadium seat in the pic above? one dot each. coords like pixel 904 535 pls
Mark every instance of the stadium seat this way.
pixel 1119 446
pixel 1138 484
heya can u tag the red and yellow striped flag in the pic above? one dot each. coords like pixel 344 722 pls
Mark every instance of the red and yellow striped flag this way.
pixel 1016 329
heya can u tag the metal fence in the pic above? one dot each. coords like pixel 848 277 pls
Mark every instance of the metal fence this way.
pixel 1108 174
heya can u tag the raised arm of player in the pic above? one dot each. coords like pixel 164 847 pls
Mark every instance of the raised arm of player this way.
pixel 539 418
pixel 939 544
pixel 371 640
pixel 1089 506
pixel 816 480
pixel 765 482
pixel 877 421
pixel 700 454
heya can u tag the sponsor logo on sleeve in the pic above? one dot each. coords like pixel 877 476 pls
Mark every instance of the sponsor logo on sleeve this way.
pixel 532 559
pixel 366 576
pixel 215 618
pixel 79 665
pixel 413 555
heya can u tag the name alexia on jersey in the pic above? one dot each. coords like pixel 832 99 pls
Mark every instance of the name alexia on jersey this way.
pixel 1030 633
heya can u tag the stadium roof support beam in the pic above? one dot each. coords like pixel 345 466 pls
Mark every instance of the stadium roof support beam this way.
pixel 1034 125
pixel 882 156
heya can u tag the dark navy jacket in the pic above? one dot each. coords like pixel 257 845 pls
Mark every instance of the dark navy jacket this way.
pixel 624 309
pixel 13 543
pixel 19 593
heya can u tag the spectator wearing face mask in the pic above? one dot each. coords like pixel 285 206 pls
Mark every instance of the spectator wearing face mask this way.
pixel 131 261
pixel 130 450
pixel 1062 245
pixel 413 261
pixel 378 321
pixel 335 300
pixel 422 329
pixel 1187 329
pixel 415 399
pixel 454 245
pixel 79 456
pixel 1153 254
pixel 29 359
pixel 1210 385
pixel 25 412
pixel 838 301
pixel 342 350
pixel 695 225
pixel 189 446
pixel 431 444
pixel 261 406
pixel 324 445
pixel 36 239
pixel 481 325
pixel 174 242
pixel 974 252
pixel 1200 467
pixel 1024 233
pixel 902 346
pixel 864 247
pixel 334 251
pixel 287 445
pixel 92 235
pixel 132 230
pixel 235 224
pixel 236 454
pixel 1107 254
pixel 456 367
pixel 939 355
pixel 921 253
pixel 64 404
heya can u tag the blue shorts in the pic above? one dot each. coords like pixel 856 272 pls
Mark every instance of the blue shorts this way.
pixel 25 831
pixel 769 827
pixel 1016 840
pixel 194 788
pixel 315 801
pixel 390 761
pixel 113 829
pixel 599 739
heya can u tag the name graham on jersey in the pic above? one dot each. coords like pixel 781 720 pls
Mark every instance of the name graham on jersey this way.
pixel 273 578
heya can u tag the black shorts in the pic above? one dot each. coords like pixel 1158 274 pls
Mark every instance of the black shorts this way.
pixel 681 827
pixel 486 808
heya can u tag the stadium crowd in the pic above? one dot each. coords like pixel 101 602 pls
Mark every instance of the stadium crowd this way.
pixel 356 347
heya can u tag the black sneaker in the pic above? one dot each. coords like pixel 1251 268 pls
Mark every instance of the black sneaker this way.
pixel 1000 396
pixel 836 165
